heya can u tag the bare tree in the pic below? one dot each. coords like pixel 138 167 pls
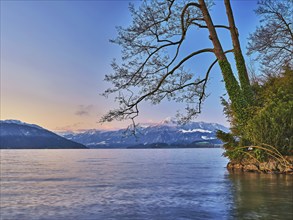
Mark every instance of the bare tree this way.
pixel 152 66
pixel 273 40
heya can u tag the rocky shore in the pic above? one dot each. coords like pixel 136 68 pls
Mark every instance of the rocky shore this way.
pixel 284 166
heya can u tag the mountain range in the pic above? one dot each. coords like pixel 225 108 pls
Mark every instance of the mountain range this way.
pixel 162 135
pixel 15 134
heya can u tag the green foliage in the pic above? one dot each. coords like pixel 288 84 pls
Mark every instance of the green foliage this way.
pixel 243 77
pixel 230 143
pixel 238 101
pixel 272 121
pixel 259 154
pixel 269 119
pixel 228 139
pixel 273 125
pixel 235 155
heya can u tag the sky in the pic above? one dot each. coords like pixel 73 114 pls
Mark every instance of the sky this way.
pixel 55 54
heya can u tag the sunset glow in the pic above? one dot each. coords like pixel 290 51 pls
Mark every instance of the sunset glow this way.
pixel 54 55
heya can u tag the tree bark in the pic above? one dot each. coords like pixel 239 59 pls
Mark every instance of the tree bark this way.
pixel 240 62
pixel 238 102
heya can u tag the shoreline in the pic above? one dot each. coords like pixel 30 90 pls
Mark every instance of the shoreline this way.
pixel 270 167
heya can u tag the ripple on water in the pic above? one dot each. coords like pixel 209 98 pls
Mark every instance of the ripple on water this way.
pixel 163 184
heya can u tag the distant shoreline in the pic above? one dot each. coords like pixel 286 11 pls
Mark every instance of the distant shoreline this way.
pixel 109 147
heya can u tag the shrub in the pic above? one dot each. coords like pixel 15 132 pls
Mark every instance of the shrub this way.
pixel 270 122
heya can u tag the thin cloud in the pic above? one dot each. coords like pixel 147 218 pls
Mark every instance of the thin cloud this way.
pixel 82 113
pixel 84 110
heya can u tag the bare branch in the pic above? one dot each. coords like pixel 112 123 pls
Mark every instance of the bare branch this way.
pixel 273 40
pixel 204 26
pixel 149 71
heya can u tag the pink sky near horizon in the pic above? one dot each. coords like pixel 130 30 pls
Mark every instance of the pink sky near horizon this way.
pixel 54 55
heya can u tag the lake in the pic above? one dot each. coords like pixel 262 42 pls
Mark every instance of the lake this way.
pixel 160 184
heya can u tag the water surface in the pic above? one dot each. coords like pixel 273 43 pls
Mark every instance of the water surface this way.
pixel 162 184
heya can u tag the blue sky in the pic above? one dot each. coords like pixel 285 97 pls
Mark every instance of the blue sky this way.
pixel 54 55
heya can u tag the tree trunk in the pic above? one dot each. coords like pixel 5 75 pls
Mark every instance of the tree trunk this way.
pixel 238 102
pixel 240 62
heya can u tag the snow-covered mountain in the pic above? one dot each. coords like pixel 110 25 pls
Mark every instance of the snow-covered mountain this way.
pixel 166 133
pixel 15 134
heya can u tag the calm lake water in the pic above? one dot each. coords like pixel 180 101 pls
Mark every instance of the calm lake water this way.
pixel 160 184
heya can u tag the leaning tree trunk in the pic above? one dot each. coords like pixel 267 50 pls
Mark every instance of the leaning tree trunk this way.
pixel 240 62
pixel 238 101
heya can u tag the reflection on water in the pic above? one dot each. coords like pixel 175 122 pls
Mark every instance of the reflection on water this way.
pixel 262 196
pixel 162 184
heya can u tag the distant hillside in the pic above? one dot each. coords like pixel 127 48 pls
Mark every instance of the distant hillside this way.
pixel 19 135
pixel 165 134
